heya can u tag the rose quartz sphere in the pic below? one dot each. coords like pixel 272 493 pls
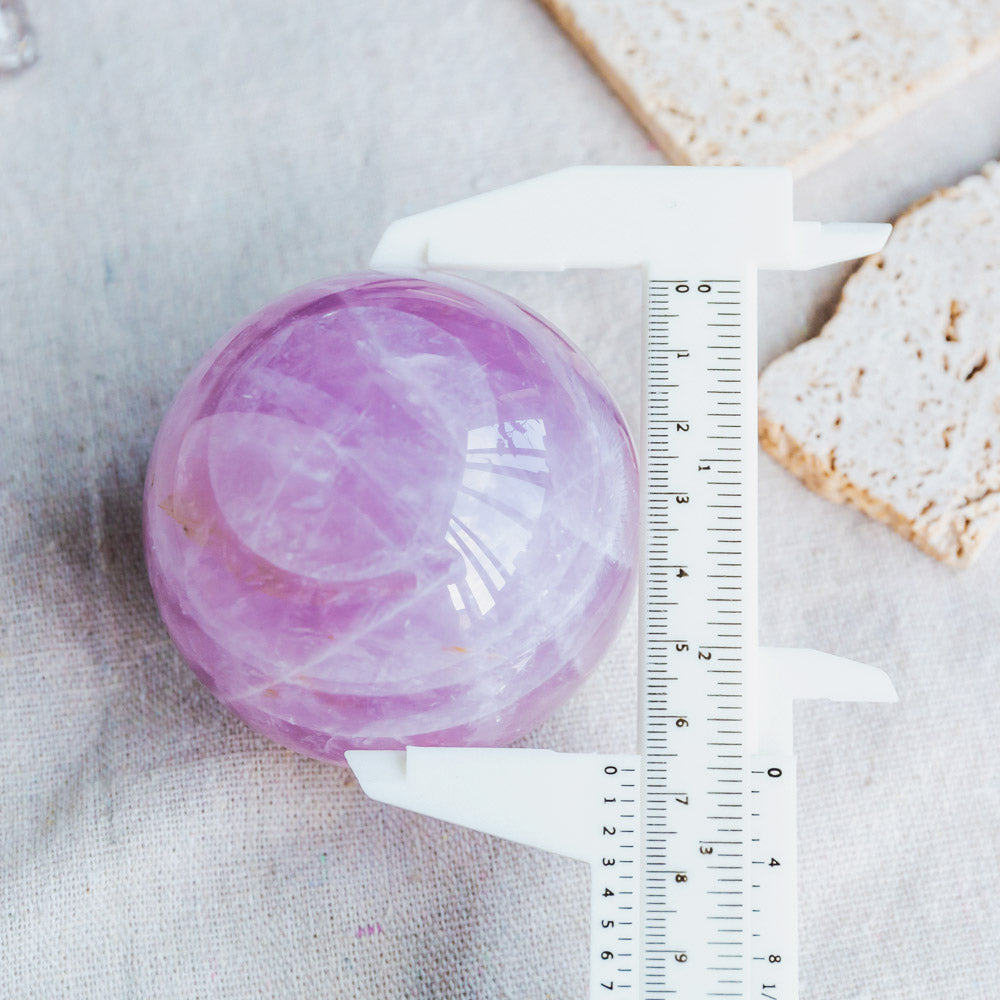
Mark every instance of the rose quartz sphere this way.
pixel 389 511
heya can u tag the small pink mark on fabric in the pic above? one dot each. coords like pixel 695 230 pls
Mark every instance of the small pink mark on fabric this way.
pixel 369 930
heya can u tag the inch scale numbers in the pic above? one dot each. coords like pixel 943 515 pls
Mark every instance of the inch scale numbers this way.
pixel 773 970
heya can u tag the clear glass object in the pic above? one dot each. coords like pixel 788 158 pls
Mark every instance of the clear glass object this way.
pixel 17 38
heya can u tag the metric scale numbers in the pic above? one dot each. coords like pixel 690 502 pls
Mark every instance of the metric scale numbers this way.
pixel 614 911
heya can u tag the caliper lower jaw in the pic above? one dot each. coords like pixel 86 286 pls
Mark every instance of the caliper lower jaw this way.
pixel 611 217
pixel 535 797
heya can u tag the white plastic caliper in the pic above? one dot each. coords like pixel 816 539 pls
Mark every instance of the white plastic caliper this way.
pixel 691 841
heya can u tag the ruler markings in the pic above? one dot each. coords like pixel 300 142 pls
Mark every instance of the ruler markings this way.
pixel 680 444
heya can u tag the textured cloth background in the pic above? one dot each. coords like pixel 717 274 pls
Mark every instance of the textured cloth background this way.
pixel 166 169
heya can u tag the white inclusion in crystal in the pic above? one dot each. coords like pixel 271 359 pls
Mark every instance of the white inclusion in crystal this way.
pixel 309 503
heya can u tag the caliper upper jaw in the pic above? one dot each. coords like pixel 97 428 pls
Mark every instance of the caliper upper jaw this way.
pixel 786 675
pixel 612 217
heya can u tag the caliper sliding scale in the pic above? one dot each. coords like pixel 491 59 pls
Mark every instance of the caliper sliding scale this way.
pixel 692 841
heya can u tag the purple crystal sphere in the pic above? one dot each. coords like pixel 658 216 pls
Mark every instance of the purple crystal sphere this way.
pixel 389 511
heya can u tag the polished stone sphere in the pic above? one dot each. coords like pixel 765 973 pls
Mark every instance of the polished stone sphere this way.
pixel 387 510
